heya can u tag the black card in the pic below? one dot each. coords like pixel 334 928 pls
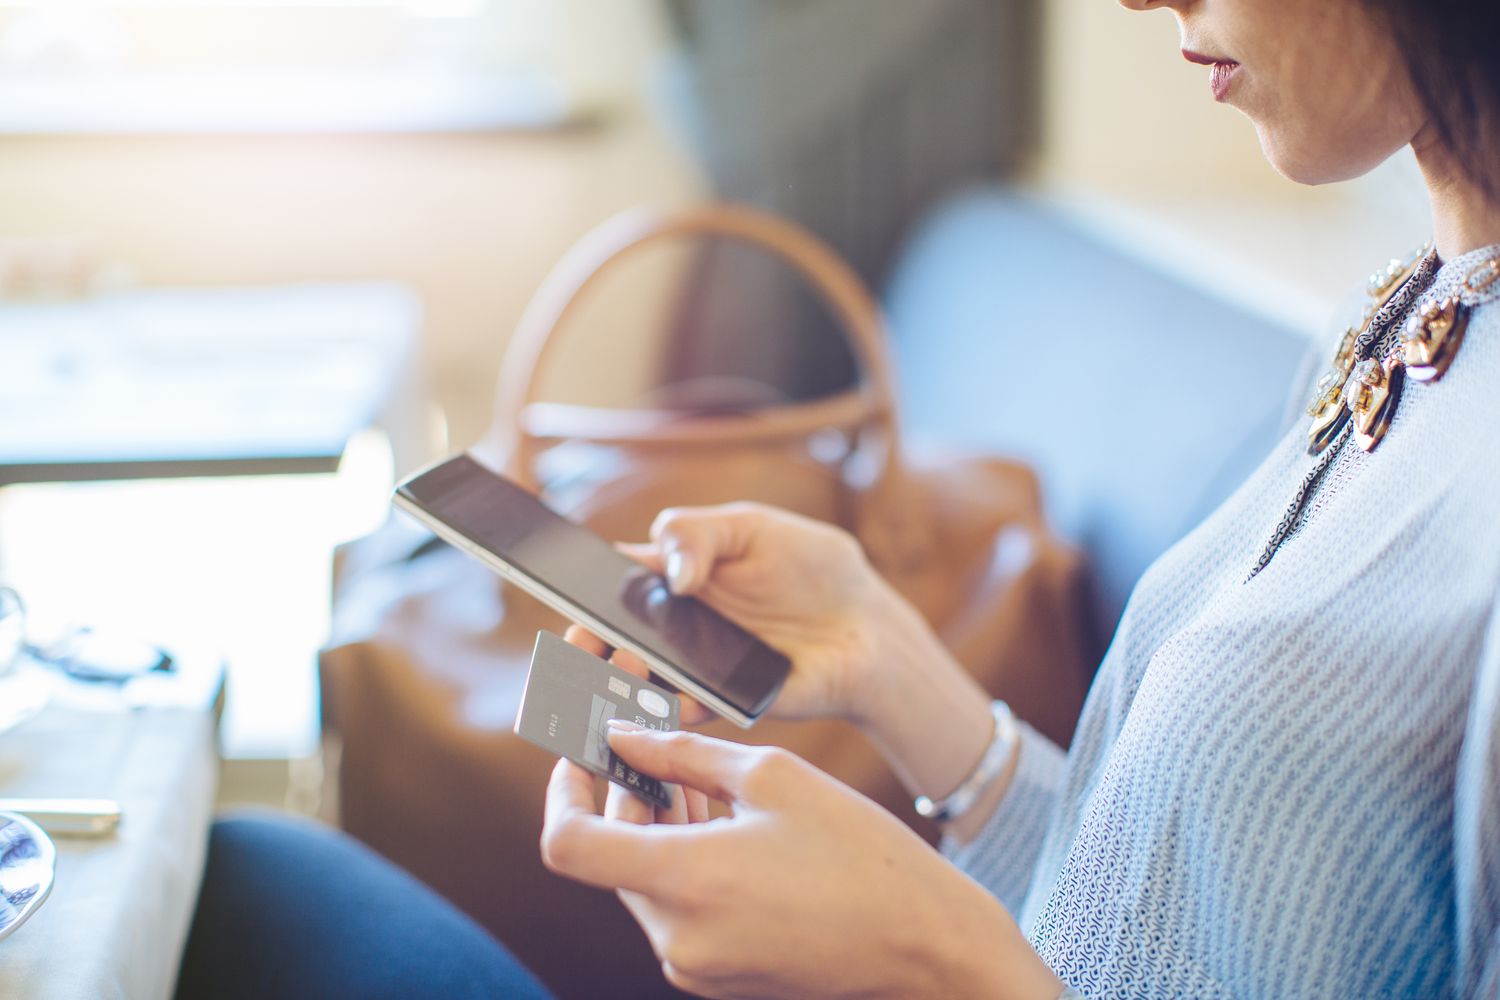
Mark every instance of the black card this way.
pixel 569 699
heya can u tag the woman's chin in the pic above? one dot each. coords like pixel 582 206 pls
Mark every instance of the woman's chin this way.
pixel 1312 161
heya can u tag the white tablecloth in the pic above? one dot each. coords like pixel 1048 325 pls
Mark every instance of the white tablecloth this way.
pixel 118 916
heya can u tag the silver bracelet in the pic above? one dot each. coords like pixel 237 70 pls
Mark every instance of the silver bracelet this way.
pixel 1001 749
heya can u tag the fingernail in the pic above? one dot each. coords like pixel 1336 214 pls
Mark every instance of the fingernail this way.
pixel 624 726
pixel 677 570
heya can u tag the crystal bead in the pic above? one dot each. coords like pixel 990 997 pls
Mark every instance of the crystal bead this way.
pixel 1415 331
pixel 1327 391
pixel 1353 393
pixel 1365 375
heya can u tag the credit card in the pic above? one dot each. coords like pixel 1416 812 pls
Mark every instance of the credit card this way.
pixel 570 697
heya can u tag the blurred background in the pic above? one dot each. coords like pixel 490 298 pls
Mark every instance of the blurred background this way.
pixel 258 259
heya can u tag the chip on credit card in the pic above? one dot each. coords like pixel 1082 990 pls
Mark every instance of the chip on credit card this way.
pixel 570 697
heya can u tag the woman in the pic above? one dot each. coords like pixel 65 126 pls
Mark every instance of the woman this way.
pixel 1286 780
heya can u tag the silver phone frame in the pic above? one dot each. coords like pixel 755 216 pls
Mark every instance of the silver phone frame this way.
pixel 561 604
pixel 68 817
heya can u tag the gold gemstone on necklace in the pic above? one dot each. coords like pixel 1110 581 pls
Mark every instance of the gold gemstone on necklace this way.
pixel 1378 405
pixel 1344 359
pixel 1328 390
pixel 1365 392
pixel 1326 426
pixel 1415 331
pixel 1331 385
pixel 1430 341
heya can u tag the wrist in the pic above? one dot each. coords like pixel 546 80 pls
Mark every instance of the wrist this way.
pixel 999 758
pixel 900 649
pixel 984 954
pixel 929 718
pixel 1013 971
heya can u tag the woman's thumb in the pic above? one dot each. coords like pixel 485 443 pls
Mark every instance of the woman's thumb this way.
pixel 693 540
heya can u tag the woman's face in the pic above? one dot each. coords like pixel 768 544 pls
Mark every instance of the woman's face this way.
pixel 1322 80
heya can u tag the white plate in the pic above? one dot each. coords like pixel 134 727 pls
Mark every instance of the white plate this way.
pixel 28 864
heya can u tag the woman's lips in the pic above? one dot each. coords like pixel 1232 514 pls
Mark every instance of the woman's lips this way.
pixel 1220 76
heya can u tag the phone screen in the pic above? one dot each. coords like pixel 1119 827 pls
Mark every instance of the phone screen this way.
pixel 571 561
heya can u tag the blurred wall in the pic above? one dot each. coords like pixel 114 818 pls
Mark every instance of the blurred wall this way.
pixel 851 117
pixel 471 221
pixel 1135 149
pixel 1122 110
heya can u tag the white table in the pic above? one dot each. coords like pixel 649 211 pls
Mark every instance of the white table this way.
pixel 211 382
pixel 206 382
pixel 119 912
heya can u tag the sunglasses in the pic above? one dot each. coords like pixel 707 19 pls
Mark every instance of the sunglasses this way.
pixel 81 653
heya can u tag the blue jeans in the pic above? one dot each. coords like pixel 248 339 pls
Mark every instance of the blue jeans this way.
pixel 293 910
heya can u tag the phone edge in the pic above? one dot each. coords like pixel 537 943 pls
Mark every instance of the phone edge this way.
pixel 563 606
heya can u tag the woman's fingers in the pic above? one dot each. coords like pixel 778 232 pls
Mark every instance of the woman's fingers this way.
pixel 645 553
pixel 692 539
pixel 586 641
pixel 584 846
pixel 696 804
pixel 630 663
pixel 715 767
pixel 694 713
pixel 688 806
pixel 626 808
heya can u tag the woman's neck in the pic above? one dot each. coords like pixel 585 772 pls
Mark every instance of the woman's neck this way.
pixel 1464 216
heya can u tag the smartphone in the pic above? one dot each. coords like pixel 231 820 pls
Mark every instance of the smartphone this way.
pixel 68 817
pixel 578 573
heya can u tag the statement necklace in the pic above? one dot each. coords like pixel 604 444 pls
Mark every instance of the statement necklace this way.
pixel 1363 385
pixel 1359 393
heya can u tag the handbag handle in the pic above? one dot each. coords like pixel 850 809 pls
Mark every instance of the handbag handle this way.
pixel 823 270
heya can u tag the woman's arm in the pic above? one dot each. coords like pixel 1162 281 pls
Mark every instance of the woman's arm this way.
pixel 749 904
pixel 929 718
pixel 859 650
pixel 807 889
pixel 922 691
pixel 1002 852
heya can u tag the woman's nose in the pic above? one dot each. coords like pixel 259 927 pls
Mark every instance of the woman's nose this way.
pixel 1142 4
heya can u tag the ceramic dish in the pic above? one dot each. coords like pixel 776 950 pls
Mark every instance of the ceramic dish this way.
pixel 28 864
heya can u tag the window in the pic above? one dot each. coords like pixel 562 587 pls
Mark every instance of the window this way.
pixel 260 66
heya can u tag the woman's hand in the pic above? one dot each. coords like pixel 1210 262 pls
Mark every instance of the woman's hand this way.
pixel 807 890
pixel 859 651
pixel 802 586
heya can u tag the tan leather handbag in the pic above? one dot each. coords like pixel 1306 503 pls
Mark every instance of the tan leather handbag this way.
pixel 423 674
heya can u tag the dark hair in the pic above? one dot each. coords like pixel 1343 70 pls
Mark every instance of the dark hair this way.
pixel 1452 52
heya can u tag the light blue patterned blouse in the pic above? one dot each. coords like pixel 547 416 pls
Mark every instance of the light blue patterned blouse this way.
pixel 1289 786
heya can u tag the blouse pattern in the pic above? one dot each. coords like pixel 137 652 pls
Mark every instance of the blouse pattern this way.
pixel 1289 786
